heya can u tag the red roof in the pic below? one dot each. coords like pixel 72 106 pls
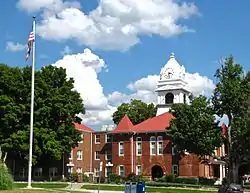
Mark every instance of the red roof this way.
pixel 83 127
pixel 158 123
pixel 125 125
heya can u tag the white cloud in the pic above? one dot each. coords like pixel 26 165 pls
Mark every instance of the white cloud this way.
pixel 144 88
pixel 113 24
pixel 66 50
pixel 84 68
pixel 15 47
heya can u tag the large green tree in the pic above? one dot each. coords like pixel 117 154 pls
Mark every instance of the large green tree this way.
pixel 231 98
pixel 136 110
pixel 194 128
pixel 56 107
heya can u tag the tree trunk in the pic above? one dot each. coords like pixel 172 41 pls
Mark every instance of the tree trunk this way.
pixel 235 172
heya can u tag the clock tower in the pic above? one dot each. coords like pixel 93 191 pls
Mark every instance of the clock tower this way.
pixel 172 86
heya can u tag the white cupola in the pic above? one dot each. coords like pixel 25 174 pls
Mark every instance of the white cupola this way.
pixel 172 87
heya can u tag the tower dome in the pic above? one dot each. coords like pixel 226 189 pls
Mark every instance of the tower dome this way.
pixel 172 69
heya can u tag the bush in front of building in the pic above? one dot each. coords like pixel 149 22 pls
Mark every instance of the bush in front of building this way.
pixel 113 178
pixel 85 178
pixel 135 178
pixel 206 181
pixel 6 180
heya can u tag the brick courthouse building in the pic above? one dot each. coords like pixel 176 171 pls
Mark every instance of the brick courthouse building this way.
pixel 140 149
pixel 145 148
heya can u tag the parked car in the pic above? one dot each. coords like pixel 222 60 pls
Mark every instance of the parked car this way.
pixel 231 188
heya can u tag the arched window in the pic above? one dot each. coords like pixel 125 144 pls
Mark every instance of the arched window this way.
pixel 169 98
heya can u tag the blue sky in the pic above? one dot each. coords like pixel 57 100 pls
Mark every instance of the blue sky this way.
pixel 221 29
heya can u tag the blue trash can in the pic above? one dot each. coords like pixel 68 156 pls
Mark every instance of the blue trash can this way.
pixel 127 188
pixel 140 187
pixel 133 187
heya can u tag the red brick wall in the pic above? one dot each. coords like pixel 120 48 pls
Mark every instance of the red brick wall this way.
pixel 85 148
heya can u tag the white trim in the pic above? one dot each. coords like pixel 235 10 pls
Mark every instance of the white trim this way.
pixel 138 141
pixel 106 137
pixel 119 149
pixel 160 141
pixel 96 142
pixel 153 140
pixel 137 170
pixel 119 170
pixel 96 154
pixel 79 154
pixel 175 167
pixel 82 138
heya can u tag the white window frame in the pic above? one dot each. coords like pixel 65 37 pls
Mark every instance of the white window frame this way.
pixel 82 137
pixel 160 142
pixel 97 172
pixel 79 155
pixel 121 153
pixel 53 171
pixel 119 170
pixel 153 140
pixel 137 170
pixel 38 172
pixel 71 155
pixel 97 154
pixel 175 167
pixel 97 139
pixel 22 172
pixel 138 144
pixel 174 150
pixel 106 138
pixel 106 154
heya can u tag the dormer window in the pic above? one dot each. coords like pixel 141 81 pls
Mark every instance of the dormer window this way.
pixel 169 98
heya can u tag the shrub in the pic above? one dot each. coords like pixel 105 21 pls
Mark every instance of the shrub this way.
pixel 85 178
pixel 115 178
pixel 206 181
pixel 135 178
pixel 6 180
pixel 170 178
pixel 187 180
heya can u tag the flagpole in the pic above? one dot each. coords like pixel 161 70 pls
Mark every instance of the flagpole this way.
pixel 32 105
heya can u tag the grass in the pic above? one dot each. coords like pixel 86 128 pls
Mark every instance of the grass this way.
pixel 42 185
pixel 148 189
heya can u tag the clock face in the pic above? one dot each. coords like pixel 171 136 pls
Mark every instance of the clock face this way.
pixel 168 73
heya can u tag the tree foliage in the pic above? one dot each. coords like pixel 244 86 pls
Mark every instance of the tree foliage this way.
pixel 136 110
pixel 194 128
pixel 231 98
pixel 56 107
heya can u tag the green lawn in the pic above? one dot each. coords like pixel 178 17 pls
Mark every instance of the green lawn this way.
pixel 42 185
pixel 148 189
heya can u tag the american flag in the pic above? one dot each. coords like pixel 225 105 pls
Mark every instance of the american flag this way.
pixel 30 42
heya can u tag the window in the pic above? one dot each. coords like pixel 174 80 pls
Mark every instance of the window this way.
pixel 79 170
pixel 159 145
pixel 152 145
pixel 96 172
pixel 53 172
pixel 184 98
pixel 169 98
pixel 22 172
pixel 108 155
pixel 174 149
pixel 175 170
pixel 138 146
pixel 121 170
pixel 108 171
pixel 108 138
pixel 79 155
pixel 71 155
pixel 138 170
pixel 38 172
pixel 121 149
pixel 97 139
pixel 97 155
pixel 82 138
